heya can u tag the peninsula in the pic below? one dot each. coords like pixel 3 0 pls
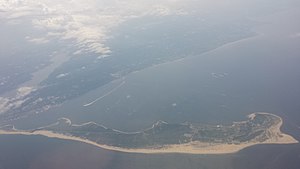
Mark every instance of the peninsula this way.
pixel 162 137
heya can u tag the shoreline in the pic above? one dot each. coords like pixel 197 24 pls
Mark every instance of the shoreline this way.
pixel 194 147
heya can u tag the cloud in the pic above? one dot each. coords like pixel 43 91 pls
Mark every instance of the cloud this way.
pixel 37 40
pixel 62 75
pixel 7 103
pixel 296 35
pixel 87 23
pixel 23 91
pixel 3 104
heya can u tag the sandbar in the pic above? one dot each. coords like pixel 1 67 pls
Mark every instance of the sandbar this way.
pixel 195 147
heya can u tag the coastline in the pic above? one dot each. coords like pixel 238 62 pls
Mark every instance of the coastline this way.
pixel 196 147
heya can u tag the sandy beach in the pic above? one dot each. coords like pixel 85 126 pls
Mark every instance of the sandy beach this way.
pixel 274 133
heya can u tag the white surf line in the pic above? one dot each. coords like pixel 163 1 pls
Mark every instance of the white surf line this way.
pixel 123 132
pixel 108 93
pixel 91 122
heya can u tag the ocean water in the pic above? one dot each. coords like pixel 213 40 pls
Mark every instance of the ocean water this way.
pixel 35 152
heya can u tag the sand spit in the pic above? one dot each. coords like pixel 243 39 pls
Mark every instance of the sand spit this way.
pixel 275 136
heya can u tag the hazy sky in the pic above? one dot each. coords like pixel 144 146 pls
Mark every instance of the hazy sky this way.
pixel 88 22
pixel 85 21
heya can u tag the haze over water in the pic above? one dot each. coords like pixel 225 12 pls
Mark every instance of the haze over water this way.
pixel 259 72
pixel 256 74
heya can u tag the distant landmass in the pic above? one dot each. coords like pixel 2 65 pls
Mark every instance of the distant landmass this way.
pixel 162 137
